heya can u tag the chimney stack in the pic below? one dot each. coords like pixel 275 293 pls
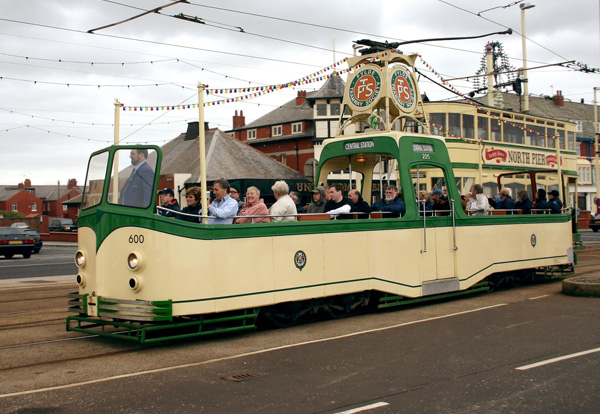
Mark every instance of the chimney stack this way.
pixel 301 98
pixel 239 120
pixel 72 183
pixel 27 183
pixel 558 99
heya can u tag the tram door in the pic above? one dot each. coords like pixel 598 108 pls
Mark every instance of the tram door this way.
pixel 437 237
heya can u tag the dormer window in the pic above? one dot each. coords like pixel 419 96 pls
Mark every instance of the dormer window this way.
pixel 251 134
pixel 297 128
pixel 276 130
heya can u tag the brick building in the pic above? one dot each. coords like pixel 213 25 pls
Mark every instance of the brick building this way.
pixel 292 134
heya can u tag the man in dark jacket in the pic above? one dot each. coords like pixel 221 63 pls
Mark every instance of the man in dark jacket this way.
pixel 391 203
pixel 167 200
pixel 554 202
pixel 338 206
pixel 137 189
pixel 318 203
pixel 506 202
pixel 360 205
pixel 540 201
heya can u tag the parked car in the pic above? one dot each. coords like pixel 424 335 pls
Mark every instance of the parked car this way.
pixel 62 224
pixel 19 225
pixel 37 239
pixel 595 223
pixel 15 241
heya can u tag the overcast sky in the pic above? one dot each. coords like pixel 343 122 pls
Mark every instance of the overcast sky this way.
pixel 59 83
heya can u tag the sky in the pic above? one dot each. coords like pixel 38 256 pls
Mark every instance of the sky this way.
pixel 59 83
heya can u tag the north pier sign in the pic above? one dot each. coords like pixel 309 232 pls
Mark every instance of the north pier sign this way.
pixel 518 157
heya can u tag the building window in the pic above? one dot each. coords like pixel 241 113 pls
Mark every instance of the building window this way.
pixel 65 207
pixel 34 206
pixel 283 159
pixel 276 130
pixel 14 207
pixel 334 108
pixel 579 126
pixel 321 109
pixel 251 134
pixel 297 128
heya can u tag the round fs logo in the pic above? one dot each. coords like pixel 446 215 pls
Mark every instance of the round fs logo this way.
pixel 403 89
pixel 365 87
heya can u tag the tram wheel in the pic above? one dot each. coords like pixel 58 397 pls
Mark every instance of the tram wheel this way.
pixel 340 307
pixel 283 315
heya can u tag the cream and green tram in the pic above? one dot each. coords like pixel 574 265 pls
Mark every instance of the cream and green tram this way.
pixel 146 277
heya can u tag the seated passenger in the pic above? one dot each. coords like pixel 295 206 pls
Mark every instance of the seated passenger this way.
pixel 391 202
pixel 481 205
pixel 167 200
pixel 540 201
pixel 223 207
pixel 523 202
pixel 284 208
pixel 234 192
pixel 338 206
pixel 425 204
pixel 194 205
pixel 318 201
pixel 359 205
pixel 506 202
pixel 554 202
pixel 254 206
pixel 440 205
pixel 296 197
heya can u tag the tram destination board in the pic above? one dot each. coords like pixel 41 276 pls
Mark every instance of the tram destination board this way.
pixel 358 145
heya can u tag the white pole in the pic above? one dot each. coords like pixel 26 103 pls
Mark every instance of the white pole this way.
pixel 525 80
pixel 202 142
pixel 597 161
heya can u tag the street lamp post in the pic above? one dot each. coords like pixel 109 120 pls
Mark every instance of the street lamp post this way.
pixel 597 148
pixel 523 7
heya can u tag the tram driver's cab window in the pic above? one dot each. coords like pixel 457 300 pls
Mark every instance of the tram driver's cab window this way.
pixel 132 177
pixel 431 191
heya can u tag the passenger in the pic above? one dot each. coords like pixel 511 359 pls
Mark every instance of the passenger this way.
pixel 338 206
pixel 439 205
pixel 523 202
pixel 540 201
pixel 167 200
pixel 425 203
pixel 284 208
pixel 193 196
pixel 464 201
pixel 234 192
pixel 358 204
pixel 481 205
pixel 391 202
pixel 444 193
pixel 554 202
pixel 296 197
pixel 254 206
pixel 506 203
pixel 223 207
pixel 137 189
pixel 318 200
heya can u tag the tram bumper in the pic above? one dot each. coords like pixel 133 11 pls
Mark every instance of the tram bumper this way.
pixel 121 309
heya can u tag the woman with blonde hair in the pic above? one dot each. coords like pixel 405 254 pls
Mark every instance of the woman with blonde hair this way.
pixel 254 206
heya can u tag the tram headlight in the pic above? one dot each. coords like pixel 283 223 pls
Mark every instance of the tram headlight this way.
pixel 135 261
pixel 80 258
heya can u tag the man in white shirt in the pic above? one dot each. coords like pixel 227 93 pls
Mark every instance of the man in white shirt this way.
pixel 223 208
pixel 480 205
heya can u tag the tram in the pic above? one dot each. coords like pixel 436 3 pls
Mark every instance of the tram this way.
pixel 147 278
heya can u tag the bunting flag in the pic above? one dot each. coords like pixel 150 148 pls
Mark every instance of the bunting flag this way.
pixel 253 92
pixel 478 107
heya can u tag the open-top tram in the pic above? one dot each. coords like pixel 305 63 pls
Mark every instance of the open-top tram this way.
pixel 147 278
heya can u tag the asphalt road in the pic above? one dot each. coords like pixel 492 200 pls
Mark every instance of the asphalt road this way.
pixel 50 261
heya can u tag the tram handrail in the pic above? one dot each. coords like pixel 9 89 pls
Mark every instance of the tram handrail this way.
pixel 424 249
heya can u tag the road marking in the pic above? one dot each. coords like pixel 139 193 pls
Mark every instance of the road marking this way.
pixel 38 264
pixel 553 360
pixel 365 408
pixel 538 297
pixel 252 353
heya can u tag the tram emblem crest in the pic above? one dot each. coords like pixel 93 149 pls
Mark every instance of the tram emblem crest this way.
pixel 300 259
pixel 365 88
pixel 403 89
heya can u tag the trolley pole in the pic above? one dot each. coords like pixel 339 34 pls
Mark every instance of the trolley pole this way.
pixel 523 7
pixel 115 190
pixel 202 142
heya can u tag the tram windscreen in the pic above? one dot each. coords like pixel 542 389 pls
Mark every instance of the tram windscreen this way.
pixel 132 175
pixel 94 184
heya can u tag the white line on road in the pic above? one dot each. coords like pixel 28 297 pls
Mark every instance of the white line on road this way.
pixel 538 297
pixel 38 264
pixel 232 357
pixel 553 360
pixel 364 408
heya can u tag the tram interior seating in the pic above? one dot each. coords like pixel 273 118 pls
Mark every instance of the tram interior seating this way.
pixel 312 217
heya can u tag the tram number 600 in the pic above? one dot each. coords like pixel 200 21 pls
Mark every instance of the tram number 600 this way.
pixel 134 238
